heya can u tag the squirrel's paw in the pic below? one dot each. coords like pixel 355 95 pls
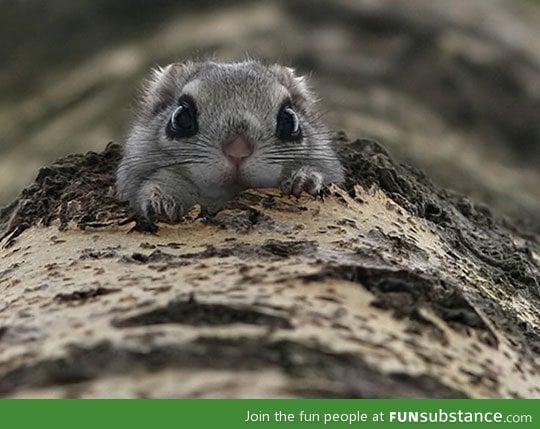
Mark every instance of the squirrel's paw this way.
pixel 303 180
pixel 154 205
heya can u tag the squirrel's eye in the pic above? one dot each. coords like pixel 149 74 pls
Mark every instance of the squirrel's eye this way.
pixel 183 121
pixel 288 125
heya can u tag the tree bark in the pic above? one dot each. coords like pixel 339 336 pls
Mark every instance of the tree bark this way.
pixel 390 287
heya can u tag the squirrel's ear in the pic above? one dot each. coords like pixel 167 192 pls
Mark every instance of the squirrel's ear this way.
pixel 165 85
pixel 296 85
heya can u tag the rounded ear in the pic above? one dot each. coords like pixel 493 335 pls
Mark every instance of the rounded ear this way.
pixel 296 85
pixel 165 84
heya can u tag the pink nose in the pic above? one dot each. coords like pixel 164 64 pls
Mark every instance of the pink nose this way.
pixel 237 148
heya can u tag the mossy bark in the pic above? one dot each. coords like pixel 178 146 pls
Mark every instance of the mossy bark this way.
pixel 389 287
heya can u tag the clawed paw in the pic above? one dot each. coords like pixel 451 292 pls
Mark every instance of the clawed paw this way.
pixel 303 180
pixel 156 206
pixel 143 224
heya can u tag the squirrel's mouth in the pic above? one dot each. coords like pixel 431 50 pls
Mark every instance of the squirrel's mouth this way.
pixel 237 150
pixel 234 176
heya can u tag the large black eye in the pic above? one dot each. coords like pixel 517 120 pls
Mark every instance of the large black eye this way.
pixel 183 121
pixel 288 125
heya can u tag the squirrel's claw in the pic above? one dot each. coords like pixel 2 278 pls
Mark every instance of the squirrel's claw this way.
pixel 303 180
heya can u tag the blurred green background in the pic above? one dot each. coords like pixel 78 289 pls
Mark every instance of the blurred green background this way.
pixel 450 87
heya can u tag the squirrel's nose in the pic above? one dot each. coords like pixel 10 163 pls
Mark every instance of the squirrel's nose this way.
pixel 237 148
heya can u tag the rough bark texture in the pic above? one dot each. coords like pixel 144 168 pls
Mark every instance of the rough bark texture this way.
pixel 390 287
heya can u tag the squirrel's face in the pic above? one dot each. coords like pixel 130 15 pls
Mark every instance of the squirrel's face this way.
pixel 229 125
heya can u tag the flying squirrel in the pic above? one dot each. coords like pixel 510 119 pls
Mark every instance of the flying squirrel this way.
pixel 207 131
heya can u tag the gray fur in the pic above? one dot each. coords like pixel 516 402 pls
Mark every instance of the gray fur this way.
pixel 163 177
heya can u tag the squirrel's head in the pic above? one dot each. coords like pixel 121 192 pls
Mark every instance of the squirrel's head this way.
pixel 237 124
